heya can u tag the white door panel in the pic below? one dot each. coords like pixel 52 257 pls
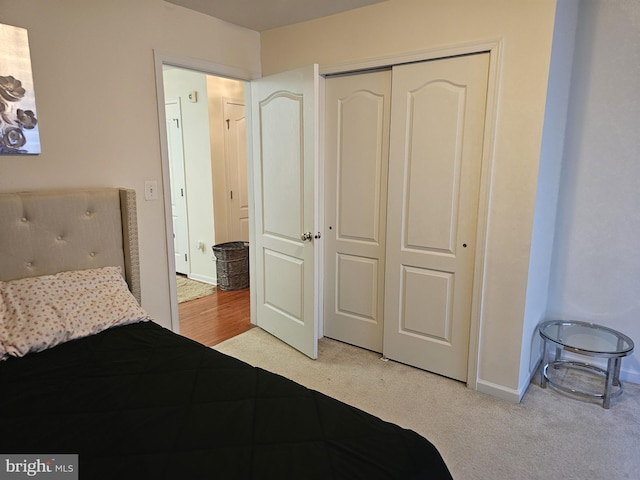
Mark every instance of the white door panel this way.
pixel 284 116
pixel 437 130
pixel 178 186
pixel 236 163
pixel 356 161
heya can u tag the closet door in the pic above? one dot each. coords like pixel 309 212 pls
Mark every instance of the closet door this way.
pixel 356 162
pixel 437 130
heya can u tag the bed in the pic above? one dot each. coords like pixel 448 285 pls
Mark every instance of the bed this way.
pixel 85 371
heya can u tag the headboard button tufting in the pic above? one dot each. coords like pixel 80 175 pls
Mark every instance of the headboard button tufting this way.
pixel 50 231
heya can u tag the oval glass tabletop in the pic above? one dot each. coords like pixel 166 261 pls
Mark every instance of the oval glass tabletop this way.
pixel 587 338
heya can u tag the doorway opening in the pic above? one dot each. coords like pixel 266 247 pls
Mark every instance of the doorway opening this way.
pixel 207 183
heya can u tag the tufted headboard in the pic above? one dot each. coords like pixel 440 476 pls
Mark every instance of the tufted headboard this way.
pixel 46 232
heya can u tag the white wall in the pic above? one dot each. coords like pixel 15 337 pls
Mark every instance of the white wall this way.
pixel 93 69
pixel 555 120
pixel 524 30
pixel 596 264
pixel 179 83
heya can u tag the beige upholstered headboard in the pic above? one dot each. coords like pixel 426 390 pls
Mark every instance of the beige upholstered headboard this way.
pixel 46 232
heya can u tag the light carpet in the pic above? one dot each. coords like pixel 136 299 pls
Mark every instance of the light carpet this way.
pixel 547 435
pixel 191 289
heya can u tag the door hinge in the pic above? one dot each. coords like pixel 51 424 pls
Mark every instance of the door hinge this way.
pixel 231 192
pixel 228 120
pixel 185 257
pixel 182 192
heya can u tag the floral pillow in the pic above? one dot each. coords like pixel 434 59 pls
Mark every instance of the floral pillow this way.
pixel 3 329
pixel 39 312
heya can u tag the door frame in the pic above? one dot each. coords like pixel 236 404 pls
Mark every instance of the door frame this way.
pixel 161 58
pixel 494 47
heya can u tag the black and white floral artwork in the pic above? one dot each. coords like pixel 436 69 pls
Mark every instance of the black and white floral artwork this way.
pixel 18 120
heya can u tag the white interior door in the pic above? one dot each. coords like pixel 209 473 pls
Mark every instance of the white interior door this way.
pixel 284 127
pixel 356 163
pixel 235 151
pixel 437 129
pixel 177 182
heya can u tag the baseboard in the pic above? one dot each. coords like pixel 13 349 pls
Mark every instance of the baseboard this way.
pixel 499 391
pixel 203 279
pixel 629 376
pixel 515 396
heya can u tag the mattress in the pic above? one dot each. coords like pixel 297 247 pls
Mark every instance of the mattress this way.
pixel 139 401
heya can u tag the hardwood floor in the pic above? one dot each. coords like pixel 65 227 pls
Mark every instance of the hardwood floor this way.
pixel 216 317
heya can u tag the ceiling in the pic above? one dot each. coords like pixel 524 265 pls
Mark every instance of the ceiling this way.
pixel 260 15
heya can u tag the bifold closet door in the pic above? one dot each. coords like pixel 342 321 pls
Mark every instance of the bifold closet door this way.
pixel 436 146
pixel 356 160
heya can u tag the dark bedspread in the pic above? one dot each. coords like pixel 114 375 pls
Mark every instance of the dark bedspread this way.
pixel 141 402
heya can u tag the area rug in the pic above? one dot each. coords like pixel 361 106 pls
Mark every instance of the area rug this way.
pixel 191 289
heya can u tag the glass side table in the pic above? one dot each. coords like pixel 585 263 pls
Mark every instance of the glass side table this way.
pixel 588 340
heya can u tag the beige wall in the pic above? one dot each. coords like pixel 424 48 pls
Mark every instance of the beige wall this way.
pixel 93 69
pixel 524 30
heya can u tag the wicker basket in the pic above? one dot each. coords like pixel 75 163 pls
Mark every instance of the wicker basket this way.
pixel 232 265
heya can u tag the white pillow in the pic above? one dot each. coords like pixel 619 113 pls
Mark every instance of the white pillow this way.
pixel 39 312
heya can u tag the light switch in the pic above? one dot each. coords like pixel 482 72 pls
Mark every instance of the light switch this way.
pixel 150 190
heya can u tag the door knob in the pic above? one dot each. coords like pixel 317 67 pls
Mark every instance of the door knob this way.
pixel 306 237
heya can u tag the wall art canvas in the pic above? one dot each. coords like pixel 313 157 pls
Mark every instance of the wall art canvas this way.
pixel 18 120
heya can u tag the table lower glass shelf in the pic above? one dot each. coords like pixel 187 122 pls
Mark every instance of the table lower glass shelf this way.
pixel 580 379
